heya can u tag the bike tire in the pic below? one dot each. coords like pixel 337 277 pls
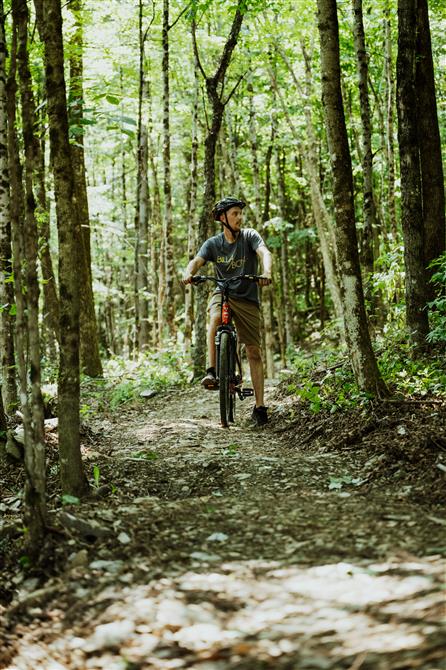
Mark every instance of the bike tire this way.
pixel 224 378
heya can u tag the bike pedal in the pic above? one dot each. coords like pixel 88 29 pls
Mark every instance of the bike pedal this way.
pixel 246 393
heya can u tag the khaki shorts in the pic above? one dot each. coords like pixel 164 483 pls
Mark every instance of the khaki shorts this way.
pixel 246 315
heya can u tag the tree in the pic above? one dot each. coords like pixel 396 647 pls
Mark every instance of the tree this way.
pixel 410 167
pixel 89 342
pixel 9 387
pixel 49 20
pixel 432 181
pixel 362 358
pixel 217 102
pixel 366 124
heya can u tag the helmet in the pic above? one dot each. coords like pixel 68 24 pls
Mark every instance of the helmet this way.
pixel 225 204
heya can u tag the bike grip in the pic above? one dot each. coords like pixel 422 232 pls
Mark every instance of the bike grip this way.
pixel 198 279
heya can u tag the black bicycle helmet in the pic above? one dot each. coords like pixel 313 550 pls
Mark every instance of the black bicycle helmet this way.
pixel 223 205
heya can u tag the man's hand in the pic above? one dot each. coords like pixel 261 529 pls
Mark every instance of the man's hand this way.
pixel 187 278
pixel 265 280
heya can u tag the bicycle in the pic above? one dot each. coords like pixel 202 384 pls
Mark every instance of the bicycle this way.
pixel 228 369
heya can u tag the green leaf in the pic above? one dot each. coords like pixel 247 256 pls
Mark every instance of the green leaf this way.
pixel 112 99
pixel 13 310
pixel 96 474
pixel 67 499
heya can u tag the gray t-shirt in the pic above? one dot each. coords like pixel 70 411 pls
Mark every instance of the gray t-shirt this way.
pixel 233 259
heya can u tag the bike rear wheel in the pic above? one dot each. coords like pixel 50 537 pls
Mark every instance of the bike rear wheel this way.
pixel 224 380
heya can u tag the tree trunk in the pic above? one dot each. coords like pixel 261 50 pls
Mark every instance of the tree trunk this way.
pixel 142 206
pixel 49 21
pixel 311 161
pixel 192 209
pixel 215 98
pixel 390 104
pixel 366 153
pixel 254 156
pixel 167 307
pixel 89 342
pixel 362 358
pixel 142 245
pixel 432 182
pixel 9 386
pixel 24 241
pixel 411 196
pixel 284 269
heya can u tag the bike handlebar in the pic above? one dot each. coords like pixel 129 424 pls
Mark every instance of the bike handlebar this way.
pixel 200 279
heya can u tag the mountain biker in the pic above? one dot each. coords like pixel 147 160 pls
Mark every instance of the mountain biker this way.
pixel 235 251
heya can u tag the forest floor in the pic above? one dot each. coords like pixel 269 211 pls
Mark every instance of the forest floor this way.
pixel 316 542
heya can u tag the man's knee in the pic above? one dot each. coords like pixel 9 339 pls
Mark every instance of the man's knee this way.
pixel 253 352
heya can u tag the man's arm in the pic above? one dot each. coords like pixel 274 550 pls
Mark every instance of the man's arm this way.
pixel 267 261
pixel 192 268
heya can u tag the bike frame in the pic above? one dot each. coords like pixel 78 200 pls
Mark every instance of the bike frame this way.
pixel 227 326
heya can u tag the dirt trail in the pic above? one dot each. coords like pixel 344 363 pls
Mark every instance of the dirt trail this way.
pixel 234 549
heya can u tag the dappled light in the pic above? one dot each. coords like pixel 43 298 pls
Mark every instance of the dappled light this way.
pixel 254 614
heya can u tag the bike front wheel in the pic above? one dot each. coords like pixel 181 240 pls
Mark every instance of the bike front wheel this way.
pixel 226 411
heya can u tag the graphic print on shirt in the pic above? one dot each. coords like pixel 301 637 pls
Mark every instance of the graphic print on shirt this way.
pixel 231 263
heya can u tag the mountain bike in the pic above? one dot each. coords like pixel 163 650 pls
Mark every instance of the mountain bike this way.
pixel 228 369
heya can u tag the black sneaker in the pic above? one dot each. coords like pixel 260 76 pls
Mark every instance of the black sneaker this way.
pixel 259 415
pixel 209 382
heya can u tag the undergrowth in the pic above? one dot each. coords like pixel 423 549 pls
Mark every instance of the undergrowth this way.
pixel 324 381
pixel 129 381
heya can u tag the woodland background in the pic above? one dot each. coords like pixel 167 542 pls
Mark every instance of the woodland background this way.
pixel 123 122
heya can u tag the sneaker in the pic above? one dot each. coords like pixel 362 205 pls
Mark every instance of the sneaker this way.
pixel 259 415
pixel 209 382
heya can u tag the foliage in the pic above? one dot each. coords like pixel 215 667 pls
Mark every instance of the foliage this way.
pixel 324 383
pixel 437 307
pixel 124 379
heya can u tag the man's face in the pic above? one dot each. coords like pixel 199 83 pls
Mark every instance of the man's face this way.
pixel 235 218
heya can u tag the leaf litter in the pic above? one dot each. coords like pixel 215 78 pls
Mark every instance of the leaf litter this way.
pixel 317 542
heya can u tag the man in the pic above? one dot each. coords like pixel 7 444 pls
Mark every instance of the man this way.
pixel 234 252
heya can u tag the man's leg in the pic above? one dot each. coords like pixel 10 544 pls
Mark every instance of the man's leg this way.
pixel 213 325
pixel 254 355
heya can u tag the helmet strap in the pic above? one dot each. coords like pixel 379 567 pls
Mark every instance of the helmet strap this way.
pixel 234 233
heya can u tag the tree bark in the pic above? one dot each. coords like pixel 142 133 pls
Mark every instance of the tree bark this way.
pixel 362 358
pixel 142 206
pixel 432 181
pixel 9 386
pixel 390 104
pixel 89 342
pixel 410 166
pixel 49 21
pixel 167 306
pixel 192 209
pixel 369 208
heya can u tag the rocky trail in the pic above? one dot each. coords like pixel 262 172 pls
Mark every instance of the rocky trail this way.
pixel 317 542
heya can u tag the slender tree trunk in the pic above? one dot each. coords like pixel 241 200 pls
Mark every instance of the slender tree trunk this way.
pixel 366 123
pixel 167 259
pixel 432 181
pixel 9 386
pixel 27 298
pixel 254 156
pixel 192 209
pixel 411 195
pixel 142 247
pixel 284 269
pixel 390 105
pixel 268 291
pixel 89 341
pixel 142 205
pixel 49 21
pixel 217 105
pixel 362 358
pixel 322 219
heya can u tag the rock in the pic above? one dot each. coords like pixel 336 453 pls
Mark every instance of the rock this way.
pixel 78 559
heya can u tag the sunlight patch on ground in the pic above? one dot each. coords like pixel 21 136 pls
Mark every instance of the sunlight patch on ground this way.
pixel 251 611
